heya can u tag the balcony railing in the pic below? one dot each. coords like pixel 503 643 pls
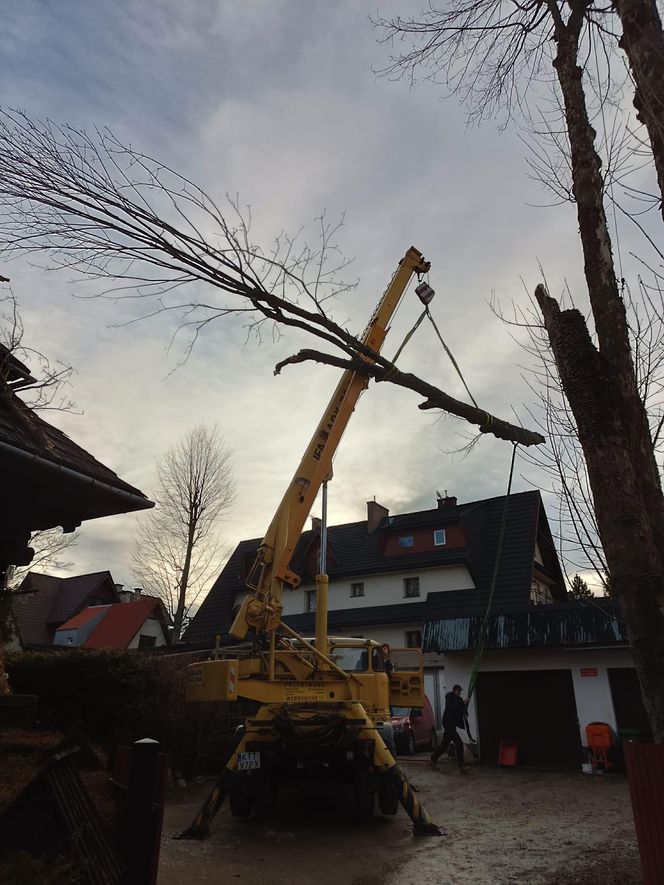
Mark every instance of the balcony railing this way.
pixel 545 626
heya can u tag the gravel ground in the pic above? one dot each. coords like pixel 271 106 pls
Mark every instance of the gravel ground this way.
pixel 503 826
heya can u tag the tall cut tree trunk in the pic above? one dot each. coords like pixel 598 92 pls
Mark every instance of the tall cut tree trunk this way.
pixel 633 558
pixel 607 305
pixel 643 42
pixel 600 385
pixel 178 617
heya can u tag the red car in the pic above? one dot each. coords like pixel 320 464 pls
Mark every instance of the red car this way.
pixel 414 728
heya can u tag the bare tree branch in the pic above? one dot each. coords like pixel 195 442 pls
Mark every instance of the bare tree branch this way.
pixel 177 550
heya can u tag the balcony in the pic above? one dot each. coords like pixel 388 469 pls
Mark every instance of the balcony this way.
pixel 545 626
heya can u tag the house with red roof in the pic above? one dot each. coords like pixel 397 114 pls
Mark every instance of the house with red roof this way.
pixel 87 610
pixel 44 602
pixel 140 623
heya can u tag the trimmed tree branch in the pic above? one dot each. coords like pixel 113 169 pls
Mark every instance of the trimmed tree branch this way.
pixel 435 398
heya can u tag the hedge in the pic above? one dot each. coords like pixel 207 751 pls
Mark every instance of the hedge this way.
pixel 122 696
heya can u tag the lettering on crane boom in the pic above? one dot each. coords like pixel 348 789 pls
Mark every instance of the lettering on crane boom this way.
pixel 325 434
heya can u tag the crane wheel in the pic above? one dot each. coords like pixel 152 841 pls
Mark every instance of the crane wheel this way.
pixel 388 801
pixel 365 793
pixel 240 802
pixel 365 802
pixel 265 800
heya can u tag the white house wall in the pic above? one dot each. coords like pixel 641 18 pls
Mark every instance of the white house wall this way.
pixel 150 627
pixel 591 693
pixel 383 589
pixel 395 636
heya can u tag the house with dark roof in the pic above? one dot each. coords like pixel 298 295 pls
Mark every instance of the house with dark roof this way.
pixel 426 579
pixel 43 603
pixel 389 574
pixel 141 623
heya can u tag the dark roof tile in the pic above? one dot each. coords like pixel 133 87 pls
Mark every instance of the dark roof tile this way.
pixel 357 553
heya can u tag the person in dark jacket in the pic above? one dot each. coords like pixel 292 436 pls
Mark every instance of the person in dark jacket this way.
pixel 388 666
pixel 453 717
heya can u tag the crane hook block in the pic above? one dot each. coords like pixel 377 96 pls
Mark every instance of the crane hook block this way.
pixel 424 292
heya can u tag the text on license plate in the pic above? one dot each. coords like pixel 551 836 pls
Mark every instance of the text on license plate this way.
pixel 248 760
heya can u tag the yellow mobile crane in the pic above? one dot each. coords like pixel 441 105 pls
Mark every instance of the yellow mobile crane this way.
pixel 324 701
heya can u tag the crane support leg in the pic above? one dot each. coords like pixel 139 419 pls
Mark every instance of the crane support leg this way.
pixel 200 826
pixel 394 774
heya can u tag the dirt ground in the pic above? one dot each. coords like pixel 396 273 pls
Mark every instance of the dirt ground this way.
pixel 503 826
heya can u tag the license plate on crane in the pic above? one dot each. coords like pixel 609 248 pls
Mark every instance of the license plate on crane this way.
pixel 248 761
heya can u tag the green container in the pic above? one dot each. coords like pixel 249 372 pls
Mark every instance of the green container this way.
pixel 629 736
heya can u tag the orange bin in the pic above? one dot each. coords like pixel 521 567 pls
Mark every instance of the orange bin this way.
pixel 600 740
pixel 507 753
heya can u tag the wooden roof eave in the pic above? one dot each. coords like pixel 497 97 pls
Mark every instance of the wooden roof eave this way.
pixel 97 498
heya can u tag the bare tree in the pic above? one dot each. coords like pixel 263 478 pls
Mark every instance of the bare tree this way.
pixel 110 212
pixel 643 42
pixel 177 550
pixel 560 463
pixel 46 389
pixel 489 52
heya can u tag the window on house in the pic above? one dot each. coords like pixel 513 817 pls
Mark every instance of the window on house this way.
pixel 406 541
pixel 413 638
pixel 247 562
pixel 310 600
pixel 540 594
pixel 357 589
pixel 145 641
pixel 439 537
pixel 411 587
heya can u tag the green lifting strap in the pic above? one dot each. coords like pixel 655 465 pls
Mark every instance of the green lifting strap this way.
pixel 409 335
pixel 484 629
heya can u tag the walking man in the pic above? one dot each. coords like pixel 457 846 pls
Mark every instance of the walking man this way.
pixel 453 718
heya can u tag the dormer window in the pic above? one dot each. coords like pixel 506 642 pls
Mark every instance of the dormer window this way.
pixel 405 541
pixel 439 538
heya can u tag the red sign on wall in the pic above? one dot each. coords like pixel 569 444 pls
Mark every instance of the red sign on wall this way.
pixel 589 671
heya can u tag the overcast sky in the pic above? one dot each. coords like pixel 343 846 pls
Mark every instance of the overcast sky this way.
pixel 276 101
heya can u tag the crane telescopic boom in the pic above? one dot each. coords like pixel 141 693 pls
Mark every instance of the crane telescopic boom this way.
pixel 261 610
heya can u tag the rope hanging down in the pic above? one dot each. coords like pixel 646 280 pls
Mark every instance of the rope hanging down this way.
pixel 484 629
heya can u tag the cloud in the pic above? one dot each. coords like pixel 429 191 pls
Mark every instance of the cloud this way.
pixel 276 101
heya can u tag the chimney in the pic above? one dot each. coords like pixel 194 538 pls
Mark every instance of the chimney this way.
pixel 446 502
pixel 316 523
pixel 137 592
pixel 376 513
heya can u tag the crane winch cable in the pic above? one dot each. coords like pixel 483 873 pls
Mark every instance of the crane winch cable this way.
pixel 484 628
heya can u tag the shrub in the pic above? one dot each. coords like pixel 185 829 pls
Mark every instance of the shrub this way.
pixel 104 690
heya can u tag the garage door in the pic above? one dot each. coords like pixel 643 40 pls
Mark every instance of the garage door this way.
pixel 537 709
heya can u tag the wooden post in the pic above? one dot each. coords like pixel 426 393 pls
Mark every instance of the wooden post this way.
pixel 645 774
pixel 145 812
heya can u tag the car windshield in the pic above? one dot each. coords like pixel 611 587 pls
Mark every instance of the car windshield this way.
pixel 400 711
pixel 350 659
